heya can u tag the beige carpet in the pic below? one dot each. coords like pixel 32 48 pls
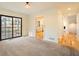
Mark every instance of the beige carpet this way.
pixel 25 46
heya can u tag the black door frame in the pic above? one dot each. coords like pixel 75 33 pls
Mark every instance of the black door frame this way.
pixel 12 26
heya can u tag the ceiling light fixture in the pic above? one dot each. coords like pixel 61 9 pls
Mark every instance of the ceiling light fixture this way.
pixel 27 5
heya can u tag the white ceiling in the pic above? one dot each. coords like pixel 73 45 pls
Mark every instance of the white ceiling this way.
pixel 20 6
pixel 35 6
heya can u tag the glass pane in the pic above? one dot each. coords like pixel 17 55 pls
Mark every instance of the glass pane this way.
pixel 16 26
pixel 3 20
pixel 6 27
pixel 3 37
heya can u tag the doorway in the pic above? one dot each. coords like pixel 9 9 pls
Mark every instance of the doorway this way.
pixel 40 27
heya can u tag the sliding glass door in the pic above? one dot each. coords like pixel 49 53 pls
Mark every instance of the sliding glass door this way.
pixel 16 27
pixel 6 27
pixel 10 27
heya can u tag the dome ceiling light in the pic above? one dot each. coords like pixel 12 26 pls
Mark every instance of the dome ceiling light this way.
pixel 27 5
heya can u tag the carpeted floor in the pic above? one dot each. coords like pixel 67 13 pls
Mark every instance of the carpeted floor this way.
pixel 25 46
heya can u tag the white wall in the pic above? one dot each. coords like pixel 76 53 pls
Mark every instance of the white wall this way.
pixel 25 19
pixel 77 24
pixel 52 21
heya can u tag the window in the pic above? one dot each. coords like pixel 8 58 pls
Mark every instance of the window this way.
pixel 10 27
